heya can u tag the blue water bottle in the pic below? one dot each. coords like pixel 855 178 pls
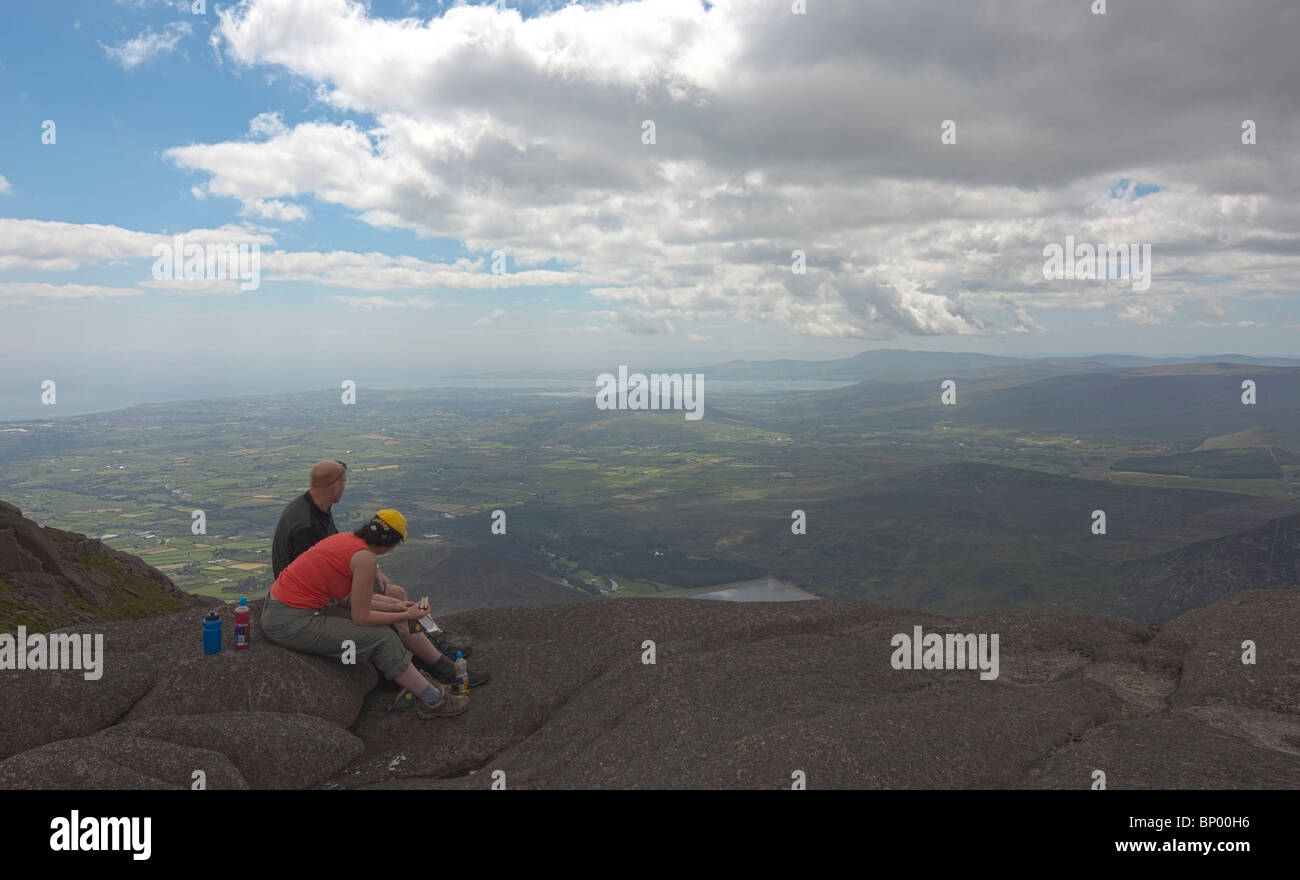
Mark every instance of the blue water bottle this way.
pixel 212 633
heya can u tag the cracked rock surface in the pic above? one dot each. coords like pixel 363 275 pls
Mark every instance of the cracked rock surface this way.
pixel 739 696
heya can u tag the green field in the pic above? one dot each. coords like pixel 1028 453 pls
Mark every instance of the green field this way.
pixel 656 502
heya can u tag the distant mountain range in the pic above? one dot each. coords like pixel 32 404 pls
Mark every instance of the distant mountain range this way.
pixel 887 361
pixel 1187 403
pixel 903 362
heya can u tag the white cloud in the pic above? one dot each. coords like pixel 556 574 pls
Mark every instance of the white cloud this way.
pixel 5 187
pixel 146 46
pixel 384 302
pixel 489 317
pixel 54 246
pixel 273 209
pixel 196 286
pixel 374 271
pixel 524 135
pixel 268 124
pixel 644 325
pixel 1140 313
pixel 24 291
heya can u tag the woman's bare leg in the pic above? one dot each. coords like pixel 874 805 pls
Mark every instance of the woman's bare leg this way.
pixel 419 645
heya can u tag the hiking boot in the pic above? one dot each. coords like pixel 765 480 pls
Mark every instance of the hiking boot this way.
pixel 444 672
pixel 449 705
pixel 476 679
pixel 408 700
pixel 444 647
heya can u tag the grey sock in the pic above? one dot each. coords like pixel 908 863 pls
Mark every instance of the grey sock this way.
pixel 431 695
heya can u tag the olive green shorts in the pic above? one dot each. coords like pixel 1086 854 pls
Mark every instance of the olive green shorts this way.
pixel 324 630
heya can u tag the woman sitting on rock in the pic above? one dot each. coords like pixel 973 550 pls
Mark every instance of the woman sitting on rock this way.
pixel 342 567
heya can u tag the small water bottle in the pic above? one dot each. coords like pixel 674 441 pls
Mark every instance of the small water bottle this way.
pixel 243 621
pixel 212 633
pixel 462 675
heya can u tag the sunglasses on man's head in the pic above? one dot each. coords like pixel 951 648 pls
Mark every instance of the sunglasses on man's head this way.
pixel 341 464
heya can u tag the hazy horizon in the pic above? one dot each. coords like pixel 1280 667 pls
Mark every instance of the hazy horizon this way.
pixel 87 392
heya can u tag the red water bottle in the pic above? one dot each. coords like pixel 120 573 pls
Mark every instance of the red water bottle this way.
pixel 243 621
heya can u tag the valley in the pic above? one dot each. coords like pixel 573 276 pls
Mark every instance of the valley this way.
pixel 909 502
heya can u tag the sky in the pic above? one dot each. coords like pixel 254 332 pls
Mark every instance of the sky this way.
pixel 442 188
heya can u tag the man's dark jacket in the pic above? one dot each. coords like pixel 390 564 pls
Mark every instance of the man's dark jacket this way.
pixel 301 525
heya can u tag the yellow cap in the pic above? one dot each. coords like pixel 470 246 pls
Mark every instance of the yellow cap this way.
pixel 394 520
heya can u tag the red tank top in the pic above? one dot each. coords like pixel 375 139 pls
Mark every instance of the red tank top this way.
pixel 322 573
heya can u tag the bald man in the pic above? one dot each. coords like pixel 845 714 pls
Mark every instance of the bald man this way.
pixel 307 518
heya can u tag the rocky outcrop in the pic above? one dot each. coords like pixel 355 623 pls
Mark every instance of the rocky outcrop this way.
pixel 236 750
pixel 50 578
pixel 739 696
pixel 265 717
pixel 743 696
